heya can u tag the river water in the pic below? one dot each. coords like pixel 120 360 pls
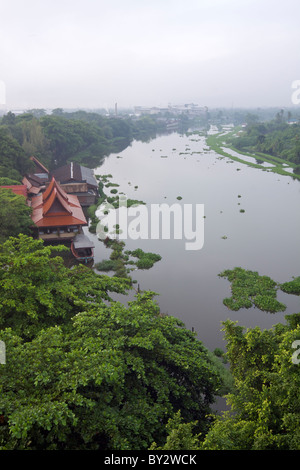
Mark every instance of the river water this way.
pixel 264 238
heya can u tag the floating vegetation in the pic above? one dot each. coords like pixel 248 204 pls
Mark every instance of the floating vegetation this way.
pixel 242 210
pixel 224 237
pixel 145 260
pixel 291 287
pixel 179 198
pixel 249 289
pixel 118 260
pixel 106 265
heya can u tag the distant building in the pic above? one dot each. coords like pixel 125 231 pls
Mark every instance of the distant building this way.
pixel 58 216
pixel 190 109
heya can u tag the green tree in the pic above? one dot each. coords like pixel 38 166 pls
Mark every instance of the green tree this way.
pixel 9 118
pixel 86 372
pixel 110 382
pixel 14 215
pixel 180 435
pixel 266 402
pixel 14 162
pixel 38 291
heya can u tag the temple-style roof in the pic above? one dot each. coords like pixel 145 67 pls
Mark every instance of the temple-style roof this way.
pixel 55 207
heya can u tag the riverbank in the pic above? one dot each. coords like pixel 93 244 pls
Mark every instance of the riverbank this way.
pixel 221 143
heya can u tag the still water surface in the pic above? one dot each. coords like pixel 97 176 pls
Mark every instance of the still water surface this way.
pixel 264 238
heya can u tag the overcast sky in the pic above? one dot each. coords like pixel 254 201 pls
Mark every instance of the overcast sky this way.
pixel 94 53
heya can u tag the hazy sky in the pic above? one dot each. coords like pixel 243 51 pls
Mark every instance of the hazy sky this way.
pixel 94 53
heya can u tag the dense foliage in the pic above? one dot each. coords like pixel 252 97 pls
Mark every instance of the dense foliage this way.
pixel 86 137
pixel 85 372
pixel 277 138
pixel 13 160
pixel 14 214
pixel 266 404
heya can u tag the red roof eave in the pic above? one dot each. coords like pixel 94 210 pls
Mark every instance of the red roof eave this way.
pixel 59 221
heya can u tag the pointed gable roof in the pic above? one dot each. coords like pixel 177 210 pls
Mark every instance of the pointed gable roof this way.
pixel 57 208
pixel 62 205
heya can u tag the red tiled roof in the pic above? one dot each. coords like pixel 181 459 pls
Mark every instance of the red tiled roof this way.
pixel 57 208
pixel 66 209
pixel 20 189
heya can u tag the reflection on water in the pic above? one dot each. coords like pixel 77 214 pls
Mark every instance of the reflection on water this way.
pixel 264 238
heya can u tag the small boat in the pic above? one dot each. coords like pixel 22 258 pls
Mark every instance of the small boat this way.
pixel 82 248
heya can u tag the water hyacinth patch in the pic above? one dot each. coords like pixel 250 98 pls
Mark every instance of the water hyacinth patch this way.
pixel 249 289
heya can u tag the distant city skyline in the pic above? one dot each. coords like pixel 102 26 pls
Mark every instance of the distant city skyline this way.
pixel 92 54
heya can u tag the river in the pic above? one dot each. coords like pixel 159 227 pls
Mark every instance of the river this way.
pixel 263 238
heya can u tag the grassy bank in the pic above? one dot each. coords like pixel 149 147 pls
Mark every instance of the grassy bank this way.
pixel 217 141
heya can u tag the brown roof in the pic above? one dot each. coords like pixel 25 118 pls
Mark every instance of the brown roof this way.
pixel 73 172
pixel 30 188
pixel 57 208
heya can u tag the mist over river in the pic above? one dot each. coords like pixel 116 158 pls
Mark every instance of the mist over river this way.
pixel 264 238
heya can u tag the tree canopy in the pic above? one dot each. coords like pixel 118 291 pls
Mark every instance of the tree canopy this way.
pixel 265 406
pixel 14 162
pixel 14 214
pixel 84 371
pixel 85 137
